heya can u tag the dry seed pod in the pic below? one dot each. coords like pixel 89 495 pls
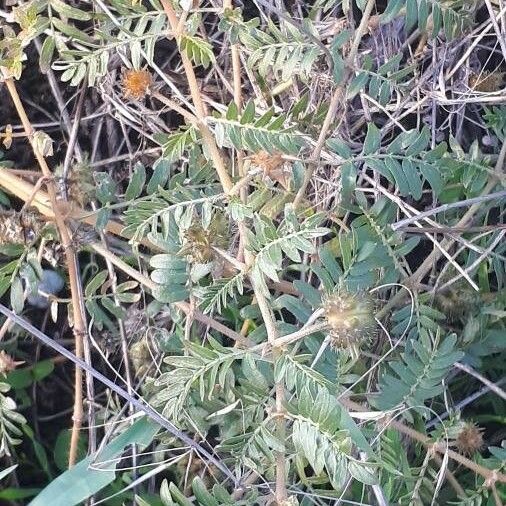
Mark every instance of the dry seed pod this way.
pixel 470 438
pixel 486 82
pixel 199 242
pixel 20 228
pixel 350 317
pixel 7 363
pixel 456 304
pixel 140 356
pixel 272 166
pixel 80 184
pixel 136 83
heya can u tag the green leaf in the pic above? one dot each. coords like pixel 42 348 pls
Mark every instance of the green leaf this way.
pixel 178 496
pixel 201 493
pixel 362 473
pixel 17 494
pixel 71 31
pixel 417 376
pixel 357 83
pixel 68 11
pixel 137 181
pixel 46 54
pixel 170 294
pixel 161 172
pixel 97 281
pixel 449 15
pixel 82 481
pixel 393 8
pixel 266 133
pixel 248 115
pixel 62 446
pixel 39 451
pixel 106 188
pixel 372 140
pixel 42 369
pixel 198 50
pixel 217 294
pixel 347 423
pixel 20 378
pixel 280 54
pixel 411 14
pixel 17 295
pixel 103 217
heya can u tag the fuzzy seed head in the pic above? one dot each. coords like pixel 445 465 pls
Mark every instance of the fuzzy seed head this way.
pixel 456 305
pixel 81 187
pixel 486 82
pixel 350 318
pixel 20 228
pixel 199 242
pixel 136 83
pixel 272 165
pixel 7 363
pixel 470 438
pixel 267 161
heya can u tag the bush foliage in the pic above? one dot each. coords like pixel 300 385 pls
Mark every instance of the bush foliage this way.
pixel 264 246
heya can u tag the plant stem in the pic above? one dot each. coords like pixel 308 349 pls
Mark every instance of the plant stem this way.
pixel 150 285
pixel 491 476
pixel 451 478
pixel 445 207
pixel 492 386
pixel 434 256
pixel 41 200
pixel 280 493
pixel 336 99
pixel 205 132
pixel 138 402
pixel 176 107
pixel 272 336
pixel 226 182
pixel 79 319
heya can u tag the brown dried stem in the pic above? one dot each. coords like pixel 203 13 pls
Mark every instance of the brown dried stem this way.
pixel 491 476
pixel 207 135
pixel 280 493
pixel 150 285
pixel 226 182
pixel 337 98
pixel 436 253
pixel 79 319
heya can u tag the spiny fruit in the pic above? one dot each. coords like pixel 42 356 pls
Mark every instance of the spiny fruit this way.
pixel 7 363
pixel 273 166
pixel 350 318
pixel 487 82
pixel 470 438
pixel 20 228
pixel 136 83
pixel 456 304
pixel 199 242
pixel 81 187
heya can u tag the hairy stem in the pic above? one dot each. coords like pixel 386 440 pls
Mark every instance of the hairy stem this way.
pixel 226 182
pixel 280 492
